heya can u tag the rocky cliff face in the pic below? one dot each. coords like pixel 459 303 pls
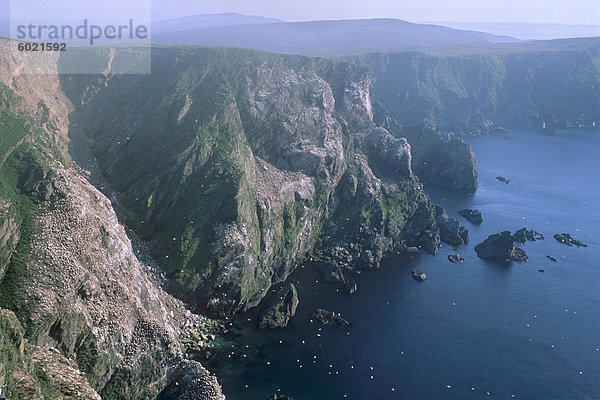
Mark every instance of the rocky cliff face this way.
pixel 80 316
pixel 438 158
pixel 471 93
pixel 235 165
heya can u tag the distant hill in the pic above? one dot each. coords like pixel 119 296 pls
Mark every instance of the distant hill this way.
pixel 204 21
pixel 529 31
pixel 326 38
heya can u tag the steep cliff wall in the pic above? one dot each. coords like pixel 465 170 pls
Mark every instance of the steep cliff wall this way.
pixel 477 92
pixel 235 165
pixel 80 316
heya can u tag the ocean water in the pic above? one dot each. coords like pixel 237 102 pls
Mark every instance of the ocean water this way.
pixel 474 330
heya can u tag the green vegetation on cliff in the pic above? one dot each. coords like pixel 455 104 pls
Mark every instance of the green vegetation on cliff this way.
pixel 229 162
pixel 478 89
pixel 23 183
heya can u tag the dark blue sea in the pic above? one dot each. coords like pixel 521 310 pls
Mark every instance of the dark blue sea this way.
pixel 474 330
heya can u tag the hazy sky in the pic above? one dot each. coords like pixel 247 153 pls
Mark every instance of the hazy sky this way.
pixel 576 12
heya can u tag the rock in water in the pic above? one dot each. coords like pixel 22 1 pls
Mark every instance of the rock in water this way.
pixel 350 286
pixel 523 235
pixel 568 240
pixel 503 179
pixel 551 258
pixel 473 216
pixel 518 254
pixel 280 307
pixel 418 275
pixel 456 258
pixel 329 318
pixel 501 246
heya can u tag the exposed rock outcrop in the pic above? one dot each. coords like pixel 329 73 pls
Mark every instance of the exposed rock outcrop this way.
pixel 329 318
pixel 451 231
pixel 473 216
pixel 433 155
pixel 87 319
pixel 440 159
pixel 9 236
pixel 501 246
pixel 418 275
pixel 279 307
pixel 279 397
pixel 455 258
pixel 523 235
pixel 332 273
pixel 568 240
pixel 190 381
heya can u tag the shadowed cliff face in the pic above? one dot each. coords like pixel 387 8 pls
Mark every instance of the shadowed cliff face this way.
pixel 235 165
pixel 479 92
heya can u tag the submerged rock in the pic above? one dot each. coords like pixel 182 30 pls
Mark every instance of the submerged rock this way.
pixel 501 246
pixel 329 318
pixel 568 240
pixel 350 286
pixel 456 258
pixel 418 275
pixel 280 307
pixel 330 272
pixel 473 216
pixel 503 179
